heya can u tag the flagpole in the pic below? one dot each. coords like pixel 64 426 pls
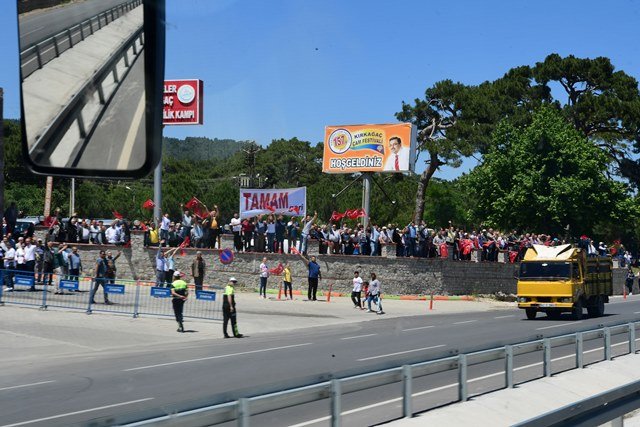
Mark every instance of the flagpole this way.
pixel 366 197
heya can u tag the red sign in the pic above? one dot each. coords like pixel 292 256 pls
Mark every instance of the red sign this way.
pixel 182 102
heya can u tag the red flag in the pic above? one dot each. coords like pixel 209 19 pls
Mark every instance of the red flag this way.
pixel 295 251
pixel 295 209
pixel 271 208
pixel 117 215
pixel 197 207
pixel 277 270
pixel 50 221
pixel 361 212
pixel 336 216
pixel 148 204
pixel 143 226
pixel 351 213
pixel 184 244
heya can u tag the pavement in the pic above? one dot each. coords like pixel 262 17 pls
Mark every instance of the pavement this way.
pixel 510 406
pixel 57 332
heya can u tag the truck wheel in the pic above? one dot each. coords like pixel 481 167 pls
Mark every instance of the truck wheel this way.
pixel 576 312
pixel 531 313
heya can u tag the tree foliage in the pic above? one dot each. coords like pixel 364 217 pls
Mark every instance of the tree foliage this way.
pixel 547 176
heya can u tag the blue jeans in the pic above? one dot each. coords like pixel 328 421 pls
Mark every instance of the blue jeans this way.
pixel 160 277
pixel 263 286
pixel 377 299
pixel 302 246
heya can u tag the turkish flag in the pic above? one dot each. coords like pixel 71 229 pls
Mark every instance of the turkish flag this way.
pixel 361 212
pixel 336 216
pixel 197 207
pixel 351 213
pixel 117 215
pixel 278 270
pixel 295 251
pixel 184 244
pixel 148 204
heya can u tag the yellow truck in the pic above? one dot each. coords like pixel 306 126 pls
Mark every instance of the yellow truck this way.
pixel 561 279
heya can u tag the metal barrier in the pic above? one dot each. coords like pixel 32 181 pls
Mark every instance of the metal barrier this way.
pixel 120 296
pixel 36 56
pixel 242 409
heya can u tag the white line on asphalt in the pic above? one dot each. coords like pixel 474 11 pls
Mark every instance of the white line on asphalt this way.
pixel 636 312
pixel 357 336
pixel 30 32
pixel 466 321
pixel 444 387
pixel 415 329
pixel 127 149
pixel 214 357
pixel 504 317
pixel 26 385
pixel 401 352
pixel 77 412
pixel 557 326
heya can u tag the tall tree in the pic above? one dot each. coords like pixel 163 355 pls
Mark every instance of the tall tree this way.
pixel 546 176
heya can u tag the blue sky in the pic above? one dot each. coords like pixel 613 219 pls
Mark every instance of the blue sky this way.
pixel 287 68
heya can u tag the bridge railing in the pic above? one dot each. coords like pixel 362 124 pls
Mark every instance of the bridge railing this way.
pixel 242 409
pixel 39 54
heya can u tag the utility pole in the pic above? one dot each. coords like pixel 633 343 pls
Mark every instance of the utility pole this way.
pixel 250 162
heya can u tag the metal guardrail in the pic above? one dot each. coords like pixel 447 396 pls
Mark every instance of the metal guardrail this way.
pixel 242 409
pixel 117 296
pixel 34 57
pixel 47 142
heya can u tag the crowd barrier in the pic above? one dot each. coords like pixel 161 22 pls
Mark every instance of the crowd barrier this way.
pixel 118 296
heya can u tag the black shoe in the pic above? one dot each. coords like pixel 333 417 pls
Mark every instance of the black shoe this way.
pixel 239 336
pixel 108 303
pixel 227 336
pixel 180 329
pixel 92 301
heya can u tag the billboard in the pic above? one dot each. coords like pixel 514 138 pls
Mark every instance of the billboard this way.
pixel 369 148
pixel 288 201
pixel 182 102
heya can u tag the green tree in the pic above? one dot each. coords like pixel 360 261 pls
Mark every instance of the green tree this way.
pixel 546 176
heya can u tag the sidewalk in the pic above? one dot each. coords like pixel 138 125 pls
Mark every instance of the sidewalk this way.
pixel 27 332
pixel 509 406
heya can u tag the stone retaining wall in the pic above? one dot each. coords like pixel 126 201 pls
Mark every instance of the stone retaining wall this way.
pixel 399 276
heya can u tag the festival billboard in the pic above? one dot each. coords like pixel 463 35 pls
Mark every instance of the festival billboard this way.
pixel 369 148
pixel 288 201
pixel 182 102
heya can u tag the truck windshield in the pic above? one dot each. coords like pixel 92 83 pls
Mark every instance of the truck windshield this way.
pixel 545 270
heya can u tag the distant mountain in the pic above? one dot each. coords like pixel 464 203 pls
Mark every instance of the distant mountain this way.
pixel 201 148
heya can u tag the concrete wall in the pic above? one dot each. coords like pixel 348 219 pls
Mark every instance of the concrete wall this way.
pixel 399 276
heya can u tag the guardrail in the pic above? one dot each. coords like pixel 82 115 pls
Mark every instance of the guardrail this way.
pixel 34 57
pixel 48 141
pixel 242 409
pixel 118 296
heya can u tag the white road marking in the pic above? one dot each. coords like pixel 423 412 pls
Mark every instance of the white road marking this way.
pixel 444 387
pixel 636 312
pixel 127 148
pixel 31 32
pixel 358 336
pixel 504 317
pixel 466 321
pixel 416 329
pixel 214 357
pixel 26 385
pixel 68 414
pixel 557 326
pixel 400 352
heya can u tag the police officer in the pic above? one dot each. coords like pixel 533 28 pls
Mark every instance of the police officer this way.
pixel 229 309
pixel 179 292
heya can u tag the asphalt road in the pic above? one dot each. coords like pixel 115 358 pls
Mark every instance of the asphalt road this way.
pixel 94 387
pixel 40 25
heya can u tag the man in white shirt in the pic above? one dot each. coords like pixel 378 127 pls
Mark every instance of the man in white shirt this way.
pixel 357 290
pixel 30 256
pixel 112 234
pixel 236 227
pixel 9 264
pixel 398 157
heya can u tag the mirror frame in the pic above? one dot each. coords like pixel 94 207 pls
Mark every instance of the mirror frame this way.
pixel 154 33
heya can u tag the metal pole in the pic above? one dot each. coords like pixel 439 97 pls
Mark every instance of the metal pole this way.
pixel 72 198
pixel 632 338
pixel 607 344
pixel 335 403
pixel 508 365
pixel 407 399
pixel 243 412
pixel 579 352
pixel 463 393
pixel 366 197
pixel 547 357
pixel 157 192
pixel 1 153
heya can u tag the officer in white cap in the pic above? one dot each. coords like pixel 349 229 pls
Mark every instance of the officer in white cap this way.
pixel 229 309
pixel 179 292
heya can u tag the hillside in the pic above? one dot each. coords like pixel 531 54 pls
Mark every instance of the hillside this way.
pixel 200 148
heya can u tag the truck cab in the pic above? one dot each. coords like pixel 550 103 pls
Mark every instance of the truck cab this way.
pixel 561 279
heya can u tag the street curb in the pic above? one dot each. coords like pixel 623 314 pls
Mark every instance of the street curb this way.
pixel 390 297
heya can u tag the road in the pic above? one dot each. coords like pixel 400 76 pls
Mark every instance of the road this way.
pixel 40 25
pixel 85 385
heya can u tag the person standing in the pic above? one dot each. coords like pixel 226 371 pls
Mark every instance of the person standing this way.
pixel 100 278
pixel 160 267
pixel 306 230
pixel 264 275
pixel 236 227
pixel 229 309
pixel 111 271
pixel 374 294
pixel 170 265
pixel 75 264
pixel 314 276
pixel 9 265
pixel 286 279
pixel 198 269
pixel 629 280
pixel 357 290
pixel 180 293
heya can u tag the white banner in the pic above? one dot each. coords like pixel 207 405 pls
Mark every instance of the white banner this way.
pixel 288 201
